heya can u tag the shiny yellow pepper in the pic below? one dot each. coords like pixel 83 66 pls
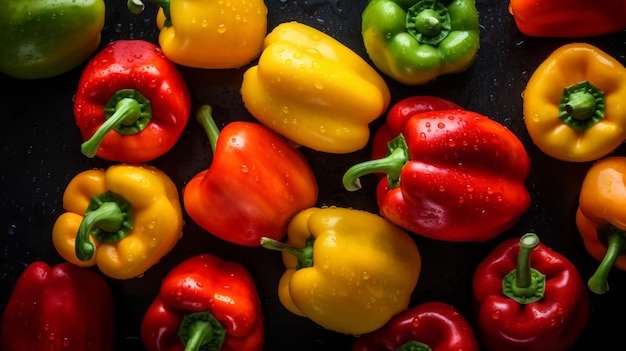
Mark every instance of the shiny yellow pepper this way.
pixel 575 104
pixel 210 34
pixel 314 90
pixel 348 270
pixel 123 219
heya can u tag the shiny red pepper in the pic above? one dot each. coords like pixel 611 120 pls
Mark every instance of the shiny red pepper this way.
pixel 256 182
pixel 452 175
pixel 433 326
pixel 528 298
pixel 205 303
pixel 132 104
pixel 64 307
pixel 568 18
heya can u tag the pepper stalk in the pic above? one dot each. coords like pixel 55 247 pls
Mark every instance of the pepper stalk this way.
pixel 525 284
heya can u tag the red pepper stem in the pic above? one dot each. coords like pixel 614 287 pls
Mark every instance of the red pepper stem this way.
pixel 616 244
pixel 525 284
pixel 108 217
pixel 199 333
pixel 127 112
pixel 397 157
pixel 205 118
pixel 304 255
pixel 413 345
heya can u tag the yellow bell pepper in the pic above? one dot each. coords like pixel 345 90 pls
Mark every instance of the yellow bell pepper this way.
pixel 314 90
pixel 601 218
pixel 575 104
pixel 123 219
pixel 348 270
pixel 210 34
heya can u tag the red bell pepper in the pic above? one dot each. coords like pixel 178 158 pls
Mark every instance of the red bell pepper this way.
pixel 205 304
pixel 568 18
pixel 64 307
pixel 132 104
pixel 433 326
pixel 256 182
pixel 528 298
pixel 452 175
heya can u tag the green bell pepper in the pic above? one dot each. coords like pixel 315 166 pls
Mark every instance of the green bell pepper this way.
pixel 45 38
pixel 415 41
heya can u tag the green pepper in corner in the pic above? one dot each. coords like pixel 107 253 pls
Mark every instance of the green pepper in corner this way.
pixel 415 41
pixel 45 38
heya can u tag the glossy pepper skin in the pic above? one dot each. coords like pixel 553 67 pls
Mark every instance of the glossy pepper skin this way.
pixel 528 298
pixel 205 303
pixel 347 270
pixel 314 90
pixel 210 34
pixel 256 182
pixel 123 219
pixel 64 307
pixel 601 218
pixel 568 18
pixel 433 325
pixel 46 38
pixel 573 104
pixel 452 175
pixel 416 41
pixel 132 104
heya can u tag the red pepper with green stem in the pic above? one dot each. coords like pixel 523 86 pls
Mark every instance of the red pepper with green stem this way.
pixel 430 326
pixel 205 303
pixel 132 104
pixel 528 298
pixel 256 182
pixel 64 307
pixel 452 175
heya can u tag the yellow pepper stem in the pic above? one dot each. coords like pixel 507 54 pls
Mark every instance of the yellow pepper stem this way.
pixel 108 219
pixel 525 284
pixel 304 255
pixel 616 244
pixel 582 105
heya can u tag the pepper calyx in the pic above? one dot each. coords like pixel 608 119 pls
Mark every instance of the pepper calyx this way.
pixel 615 241
pixel 137 6
pixel 304 255
pixel 127 112
pixel 392 164
pixel 413 345
pixel 582 105
pixel 108 218
pixel 525 284
pixel 201 331
pixel 428 21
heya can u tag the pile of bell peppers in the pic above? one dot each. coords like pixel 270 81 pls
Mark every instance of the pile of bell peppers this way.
pixel 446 173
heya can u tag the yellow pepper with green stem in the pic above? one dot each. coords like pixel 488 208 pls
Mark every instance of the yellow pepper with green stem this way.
pixel 123 219
pixel 314 90
pixel 348 270
pixel 209 34
pixel 575 104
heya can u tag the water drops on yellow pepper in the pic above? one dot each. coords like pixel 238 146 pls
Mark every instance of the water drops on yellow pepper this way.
pixel 575 104
pixel 348 270
pixel 123 219
pixel 314 90
pixel 210 34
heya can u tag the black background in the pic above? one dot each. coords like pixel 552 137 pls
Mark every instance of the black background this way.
pixel 40 153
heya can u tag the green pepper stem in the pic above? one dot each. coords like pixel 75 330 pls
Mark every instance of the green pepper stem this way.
pixel 304 255
pixel 137 6
pixel 582 105
pixel 616 243
pixel 524 284
pixel 200 332
pixel 414 345
pixel 428 22
pixel 127 111
pixel 108 217
pixel 205 117
pixel 397 157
